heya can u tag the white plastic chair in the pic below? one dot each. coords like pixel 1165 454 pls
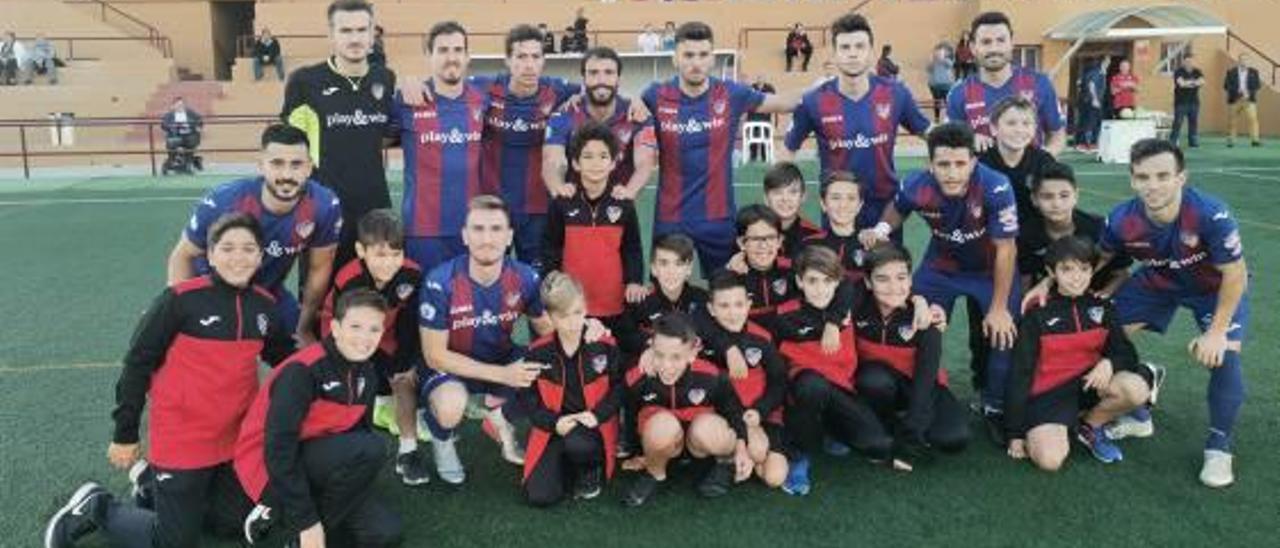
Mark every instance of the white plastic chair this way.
pixel 756 133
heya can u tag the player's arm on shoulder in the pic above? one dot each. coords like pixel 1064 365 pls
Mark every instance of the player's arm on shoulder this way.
pixel 180 259
pixel 319 267
pixel 554 168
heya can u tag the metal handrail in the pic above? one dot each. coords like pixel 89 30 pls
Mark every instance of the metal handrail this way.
pixel 1274 65
pixel 744 35
pixel 153 35
pixel 71 43
pixel 244 42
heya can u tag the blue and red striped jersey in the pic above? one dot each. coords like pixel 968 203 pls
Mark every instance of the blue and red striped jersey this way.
pixel 963 228
pixel 479 318
pixel 695 138
pixel 514 131
pixel 315 221
pixel 971 101
pixel 1179 256
pixel 858 135
pixel 628 133
pixel 442 147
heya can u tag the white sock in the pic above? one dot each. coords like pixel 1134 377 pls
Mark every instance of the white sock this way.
pixel 383 400
pixel 408 445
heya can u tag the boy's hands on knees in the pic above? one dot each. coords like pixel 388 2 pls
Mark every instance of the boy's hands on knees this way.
pixel 742 463
pixel 636 293
pixel 830 339
pixel 1018 448
pixel 737 363
pixel 1100 376
pixel 566 424
pixel 124 455
pixel 587 419
pixel 1210 347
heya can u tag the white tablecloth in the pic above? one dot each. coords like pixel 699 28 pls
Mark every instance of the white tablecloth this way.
pixel 1118 135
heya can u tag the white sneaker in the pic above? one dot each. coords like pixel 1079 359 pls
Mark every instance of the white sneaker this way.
pixel 1217 472
pixel 498 428
pixel 1128 427
pixel 448 465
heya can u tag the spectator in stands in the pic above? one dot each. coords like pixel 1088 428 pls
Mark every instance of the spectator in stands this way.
pixel 548 39
pixel 669 36
pixel 886 68
pixel 1187 81
pixel 12 55
pixel 1124 90
pixel 798 44
pixel 1242 84
pixel 181 126
pixel 44 60
pixel 941 77
pixel 377 53
pixel 266 51
pixel 964 57
pixel 579 32
pixel 649 41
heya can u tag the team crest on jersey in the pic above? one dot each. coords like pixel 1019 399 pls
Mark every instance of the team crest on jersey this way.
pixel 906 332
pixel 976 211
pixel 1095 314
pixel 599 363
pixel 614 213
pixel 476 113
pixel 883 111
pixel 262 324
pixel 624 136
pixel 513 299
pixel 859 257
pixel 697 395
pixel 719 107
pixel 305 229
pixel 427 311
pixel 377 89
pixel 753 356
pixel 403 291
pixel 1028 94
pixel 1190 239
pixel 780 286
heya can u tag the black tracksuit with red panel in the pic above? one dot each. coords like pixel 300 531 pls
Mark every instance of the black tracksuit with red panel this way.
pixel 703 388
pixel 307 449
pixel 765 386
pixel 793 237
pixel 195 356
pixel 769 288
pixel 598 243
pixel 847 248
pixel 1058 344
pixel 401 347
pixel 899 369
pixel 589 380
pixel 822 385
pixel 636 325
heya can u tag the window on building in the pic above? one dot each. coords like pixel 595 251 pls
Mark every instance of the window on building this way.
pixel 1027 56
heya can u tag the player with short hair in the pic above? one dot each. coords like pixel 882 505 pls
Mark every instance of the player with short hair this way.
pixel 299 218
pixel 766 273
pixel 1073 367
pixel 381 266
pixel 855 118
pixel 574 401
pixel 195 357
pixel 344 104
pixel 841 199
pixel 784 190
pixel 696 118
pixel 973 219
pixel 307 453
pixel 1054 194
pixel 972 100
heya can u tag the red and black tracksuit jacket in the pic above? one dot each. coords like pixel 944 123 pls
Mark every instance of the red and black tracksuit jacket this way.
pixel 636 325
pixel 793 237
pixel 195 355
pixel 703 388
pixel 847 248
pixel 315 393
pixel 401 345
pixel 1059 343
pixel 765 386
pixel 894 341
pixel 589 380
pixel 598 243
pixel 769 288
pixel 799 331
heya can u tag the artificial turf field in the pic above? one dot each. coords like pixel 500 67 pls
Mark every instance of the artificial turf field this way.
pixel 83 258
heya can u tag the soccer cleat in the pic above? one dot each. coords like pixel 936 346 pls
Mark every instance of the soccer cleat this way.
pixel 78 517
pixel 497 427
pixel 1099 443
pixel 258 523
pixel 1158 373
pixel 718 481
pixel 644 488
pixel 588 484
pixel 993 423
pixel 911 451
pixel 1217 471
pixel 142 478
pixel 448 465
pixel 1127 426
pixel 835 447
pixel 412 468
pixel 797 482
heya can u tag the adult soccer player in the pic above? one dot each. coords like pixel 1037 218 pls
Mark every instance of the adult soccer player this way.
pixel 971 101
pixel 297 215
pixel 696 122
pixel 856 117
pixel 343 104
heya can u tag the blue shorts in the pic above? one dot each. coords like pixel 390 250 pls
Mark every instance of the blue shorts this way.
pixel 1138 303
pixel 529 230
pixel 942 289
pixel 716 241
pixel 429 252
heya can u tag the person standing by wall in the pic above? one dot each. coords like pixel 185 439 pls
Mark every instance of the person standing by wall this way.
pixel 1242 85
pixel 1187 81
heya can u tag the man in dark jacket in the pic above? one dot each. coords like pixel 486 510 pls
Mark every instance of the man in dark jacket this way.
pixel 266 51
pixel 1242 84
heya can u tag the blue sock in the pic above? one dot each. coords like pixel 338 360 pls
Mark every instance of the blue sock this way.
pixel 1142 413
pixel 1226 395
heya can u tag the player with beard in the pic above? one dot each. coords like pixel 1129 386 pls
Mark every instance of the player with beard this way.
pixel 856 118
pixel 299 217
pixel 973 100
pixel 601 75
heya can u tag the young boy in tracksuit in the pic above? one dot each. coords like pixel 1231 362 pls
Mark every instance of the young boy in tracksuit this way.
pixel 594 236
pixel 381 266
pixel 1074 369
pixel 841 202
pixel 195 357
pixel 784 192
pixel 685 403
pixel 762 385
pixel 574 401
pixel 307 452
pixel 766 273
pixel 899 365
